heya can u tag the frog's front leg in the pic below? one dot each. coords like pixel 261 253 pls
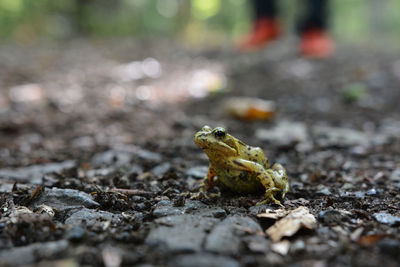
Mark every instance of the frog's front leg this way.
pixel 207 184
pixel 208 181
pixel 266 177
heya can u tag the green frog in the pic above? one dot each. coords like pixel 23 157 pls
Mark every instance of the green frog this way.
pixel 240 168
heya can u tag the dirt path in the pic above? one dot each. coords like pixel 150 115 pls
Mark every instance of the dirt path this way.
pixel 96 150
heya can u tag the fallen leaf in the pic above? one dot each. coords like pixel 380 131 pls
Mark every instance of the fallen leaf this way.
pixel 247 108
pixel 274 214
pixel 290 223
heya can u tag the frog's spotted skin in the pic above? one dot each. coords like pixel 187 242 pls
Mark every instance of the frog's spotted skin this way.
pixel 239 167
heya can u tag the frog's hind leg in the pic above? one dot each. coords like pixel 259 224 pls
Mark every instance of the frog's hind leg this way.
pixel 267 180
pixel 269 196
pixel 265 177
pixel 281 179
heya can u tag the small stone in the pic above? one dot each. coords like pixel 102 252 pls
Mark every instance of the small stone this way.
pixel 297 246
pixel 31 253
pixel 184 232
pixel 218 213
pixel 359 194
pixel 371 192
pixel 163 202
pixel 330 217
pixel 61 199
pixel 285 133
pixel 323 190
pixel 347 186
pixel 225 237
pixel 198 172
pixel 193 205
pixel 34 174
pixel 122 155
pixel 386 218
pixel 257 209
pixel 358 151
pixel 74 234
pixel 395 176
pixel 203 260
pixel 139 152
pixel 167 210
pixel 44 209
pixel 341 137
pixel 161 169
pixel 111 158
pixel 257 244
pixel 90 217
pixel 135 170
pixel 390 247
pixel 100 172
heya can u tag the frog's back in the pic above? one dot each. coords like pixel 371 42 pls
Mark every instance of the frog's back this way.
pixel 254 154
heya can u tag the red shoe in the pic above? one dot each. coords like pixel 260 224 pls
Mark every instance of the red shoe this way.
pixel 264 31
pixel 316 43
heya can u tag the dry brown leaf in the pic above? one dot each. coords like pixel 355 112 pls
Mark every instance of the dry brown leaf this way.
pixel 248 108
pixel 291 223
pixel 274 214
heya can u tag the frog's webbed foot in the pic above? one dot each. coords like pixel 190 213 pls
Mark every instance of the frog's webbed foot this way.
pixel 269 197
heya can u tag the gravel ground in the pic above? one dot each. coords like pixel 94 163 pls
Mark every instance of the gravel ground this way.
pixel 97 153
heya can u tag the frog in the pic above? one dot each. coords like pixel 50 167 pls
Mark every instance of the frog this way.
pixel 238 167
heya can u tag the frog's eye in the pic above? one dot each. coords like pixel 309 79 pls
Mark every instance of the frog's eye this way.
pixel 220 133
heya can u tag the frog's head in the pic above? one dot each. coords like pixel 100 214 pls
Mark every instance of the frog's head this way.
pixel 216 142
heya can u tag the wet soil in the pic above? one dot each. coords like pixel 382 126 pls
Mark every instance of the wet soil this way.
pixel 97 153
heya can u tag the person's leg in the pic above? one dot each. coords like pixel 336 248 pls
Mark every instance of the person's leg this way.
pixel 315 40
pixel 264 8
pixel 316 15
pixel 265 25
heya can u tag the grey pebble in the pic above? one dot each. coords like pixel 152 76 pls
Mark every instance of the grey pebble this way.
pixel 61 199
pixel 161 169
pixel 386 218
pixel 90 217
pixel 29 254
pixel 203 260
pixel 34 174
pixel 76 233
pixel 197 172
pixel 389 247
pixel 184 232
pixel 371 192
pixel 225 237
pixel 330 217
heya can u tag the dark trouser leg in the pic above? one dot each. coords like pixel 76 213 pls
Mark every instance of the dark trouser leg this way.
pixel 316 16
pixel 264 8
pixel 265 26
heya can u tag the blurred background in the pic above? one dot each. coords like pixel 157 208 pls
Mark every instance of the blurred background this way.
pixel 106 72
pixel 195 22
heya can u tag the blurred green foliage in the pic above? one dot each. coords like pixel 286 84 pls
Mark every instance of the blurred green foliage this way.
pixel 195 21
